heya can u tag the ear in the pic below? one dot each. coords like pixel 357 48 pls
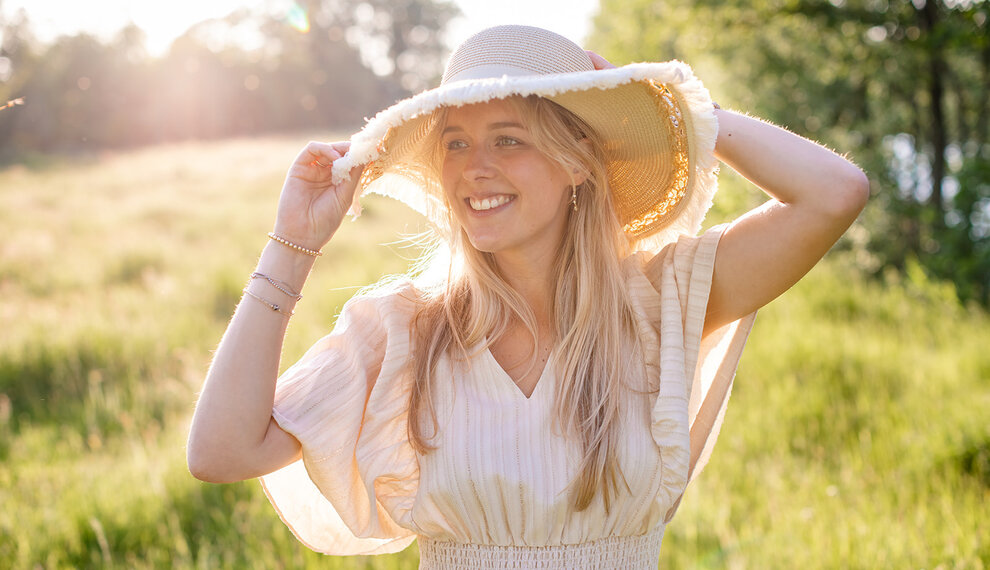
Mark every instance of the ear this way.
pixel 578 174
pixel 579 177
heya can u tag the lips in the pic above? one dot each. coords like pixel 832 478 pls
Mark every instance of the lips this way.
pixel 484 204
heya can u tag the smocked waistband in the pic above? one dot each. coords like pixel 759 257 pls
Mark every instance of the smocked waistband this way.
pixel 616 552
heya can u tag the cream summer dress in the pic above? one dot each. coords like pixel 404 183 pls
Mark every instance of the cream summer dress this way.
pixel 494 492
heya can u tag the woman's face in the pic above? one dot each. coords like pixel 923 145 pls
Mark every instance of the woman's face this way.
pixel 508 196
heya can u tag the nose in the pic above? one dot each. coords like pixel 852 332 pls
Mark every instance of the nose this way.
pixel 478 165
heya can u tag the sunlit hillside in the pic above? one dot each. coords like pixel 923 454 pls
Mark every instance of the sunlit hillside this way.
pixel 857 436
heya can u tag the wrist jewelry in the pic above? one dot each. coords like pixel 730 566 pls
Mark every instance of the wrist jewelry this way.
pixel 280 285
pixel 283 241
pixel 269 304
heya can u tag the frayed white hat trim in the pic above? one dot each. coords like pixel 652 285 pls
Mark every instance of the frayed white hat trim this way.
pixel 470 86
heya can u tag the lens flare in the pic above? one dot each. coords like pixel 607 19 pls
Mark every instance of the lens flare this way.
pixel 297 18
pixel 11 103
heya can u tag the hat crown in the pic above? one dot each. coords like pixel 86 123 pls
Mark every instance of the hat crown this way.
pixel 515 51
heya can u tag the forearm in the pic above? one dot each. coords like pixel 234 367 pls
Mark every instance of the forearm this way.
pixel 233 415
pixel 233 435
pixel 791 169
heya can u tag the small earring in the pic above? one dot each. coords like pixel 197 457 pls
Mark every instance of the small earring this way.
pixel 574 197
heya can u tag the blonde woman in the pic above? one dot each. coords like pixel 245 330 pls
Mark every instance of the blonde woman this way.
pixel 544 398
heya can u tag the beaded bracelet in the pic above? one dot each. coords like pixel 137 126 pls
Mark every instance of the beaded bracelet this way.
pixel 269 304
pixel 280 285
pixel 283 241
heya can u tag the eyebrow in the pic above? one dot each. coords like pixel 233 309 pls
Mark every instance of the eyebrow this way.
pixel 491 126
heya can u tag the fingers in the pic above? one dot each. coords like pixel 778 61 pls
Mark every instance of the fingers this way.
pixel 598 61
pixel 322 154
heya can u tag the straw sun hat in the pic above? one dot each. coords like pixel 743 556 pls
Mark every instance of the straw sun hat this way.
pixel 656 120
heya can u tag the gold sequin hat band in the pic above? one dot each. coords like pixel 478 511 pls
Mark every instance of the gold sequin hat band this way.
pixel 656 121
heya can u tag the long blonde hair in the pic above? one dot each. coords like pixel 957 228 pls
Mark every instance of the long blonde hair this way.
pixel 591 317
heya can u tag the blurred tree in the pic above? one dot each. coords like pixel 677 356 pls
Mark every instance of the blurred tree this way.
pixel 401 39
pixel 415 44
pixel 904 85
pixel 17 58
pixel 61 90
pixel 291 80
pixel 325 64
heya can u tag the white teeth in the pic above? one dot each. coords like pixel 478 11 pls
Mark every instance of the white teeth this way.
pixel 488 203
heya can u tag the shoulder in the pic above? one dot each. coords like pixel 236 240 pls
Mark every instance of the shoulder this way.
pixel 370 340
pixel 675 282
pixel 388 303
pixel 680 260
pixel 370 321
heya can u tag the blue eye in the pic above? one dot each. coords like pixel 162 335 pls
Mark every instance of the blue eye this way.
pixel 454 145
pixel 507 141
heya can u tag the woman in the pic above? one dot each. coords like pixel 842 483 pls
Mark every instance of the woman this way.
pixel 545 400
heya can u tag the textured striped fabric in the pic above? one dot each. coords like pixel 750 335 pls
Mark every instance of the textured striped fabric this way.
pixel 499 475
pixel 620 552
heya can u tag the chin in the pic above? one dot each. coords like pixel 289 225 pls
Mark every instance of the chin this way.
pixel 487 243
pixel 484 246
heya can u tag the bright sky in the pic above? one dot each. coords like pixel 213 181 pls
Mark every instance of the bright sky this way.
pixel 163 21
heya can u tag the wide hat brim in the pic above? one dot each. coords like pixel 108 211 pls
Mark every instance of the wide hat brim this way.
pixel 656 122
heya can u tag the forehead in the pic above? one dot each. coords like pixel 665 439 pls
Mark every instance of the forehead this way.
pixel 496 111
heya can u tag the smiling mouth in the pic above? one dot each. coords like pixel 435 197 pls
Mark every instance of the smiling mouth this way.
pixel 488 203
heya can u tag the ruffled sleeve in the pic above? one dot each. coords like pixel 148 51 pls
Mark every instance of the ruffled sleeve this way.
pixel 696 373
pixel 345 401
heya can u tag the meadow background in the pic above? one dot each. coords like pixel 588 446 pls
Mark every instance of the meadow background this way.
pixel 857 436
pixel 136 189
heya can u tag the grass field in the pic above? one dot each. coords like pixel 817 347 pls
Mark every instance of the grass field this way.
pixel 858 435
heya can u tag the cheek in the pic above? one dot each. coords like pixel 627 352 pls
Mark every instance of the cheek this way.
pixel 448 180
pixel 558 183
pixel 452 167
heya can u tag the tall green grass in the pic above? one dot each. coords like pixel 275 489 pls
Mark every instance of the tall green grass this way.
pixel 857 436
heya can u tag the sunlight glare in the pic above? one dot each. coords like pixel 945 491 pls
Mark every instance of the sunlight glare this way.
pixel 297 18
pixel 162 22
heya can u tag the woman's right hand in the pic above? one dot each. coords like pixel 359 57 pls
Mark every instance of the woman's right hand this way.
pixel 311 207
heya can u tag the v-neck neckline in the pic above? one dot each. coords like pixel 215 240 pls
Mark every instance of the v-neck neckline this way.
pixel 511 384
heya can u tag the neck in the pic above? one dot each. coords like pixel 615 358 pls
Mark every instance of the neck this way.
pixel 530 276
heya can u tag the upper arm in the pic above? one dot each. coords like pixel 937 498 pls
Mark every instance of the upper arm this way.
pixel 767 250
pixel 331 383
pixel 278 449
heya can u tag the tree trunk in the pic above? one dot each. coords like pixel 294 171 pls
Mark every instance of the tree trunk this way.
pixel 982 130
pixel 929 17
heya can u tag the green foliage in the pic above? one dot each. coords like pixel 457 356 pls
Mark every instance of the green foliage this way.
pixel 855 437
pixel 902 87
